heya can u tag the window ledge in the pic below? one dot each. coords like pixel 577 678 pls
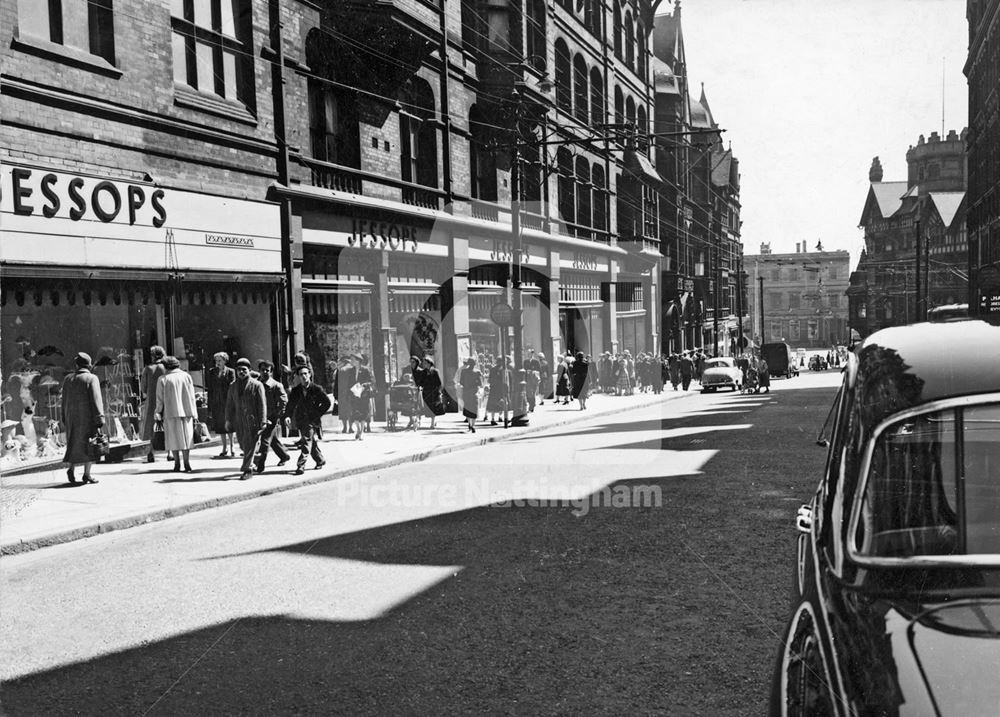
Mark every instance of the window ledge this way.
pixel 185 96
pixel 66 55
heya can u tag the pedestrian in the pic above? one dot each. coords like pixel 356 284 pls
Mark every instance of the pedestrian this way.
pixel 674 369
pixel 431 389
pixel 246 414
pixel 147 391
pixel 622 384
pixel 217 381
pixel 276 400
pixel 177 411
pixel 306 406
pixel 764 375
pixel 82 415
pixel 496 402
pixel 532 378
pixel 345 376
pixel 686 369
pixel 581 379
pixel 471 381
pixel 360 402
pixel 544 380
pixel 606 373
pixel 563 380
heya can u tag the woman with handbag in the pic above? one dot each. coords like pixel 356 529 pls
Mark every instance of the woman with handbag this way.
pixel 147 389
pixel 360 401
pixel 177 410
pixel 430 388
pixel 83 416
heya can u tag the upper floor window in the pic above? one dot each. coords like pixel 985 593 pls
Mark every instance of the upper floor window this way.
pixel 564 79
pixel 212 47
pixel 418 134
pixel 333 126
pixel 535 50
pixel 86 25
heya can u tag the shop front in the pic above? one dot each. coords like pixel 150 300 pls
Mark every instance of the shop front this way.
pixel 582 302
pixel 111 266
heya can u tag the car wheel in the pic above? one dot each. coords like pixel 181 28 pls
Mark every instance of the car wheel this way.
pixel 807 692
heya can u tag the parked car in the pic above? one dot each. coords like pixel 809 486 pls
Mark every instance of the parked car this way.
pixel 780 359
pixel 897 582
pixel 817 363
pixel 721 372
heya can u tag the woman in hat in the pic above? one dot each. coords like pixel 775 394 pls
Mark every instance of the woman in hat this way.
pixel 147 389
pixel 176 410
pixel 217 381
pixel 471 381
pixel 430 388
pixel 344 378
pixel 563 379
pixel 82 414
pixel 360 395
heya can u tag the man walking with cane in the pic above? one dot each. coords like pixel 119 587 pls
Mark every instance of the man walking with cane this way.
pixel 246 414
pixel 277 399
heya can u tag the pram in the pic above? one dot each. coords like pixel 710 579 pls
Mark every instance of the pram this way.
pixel 404 398
pixel 750 382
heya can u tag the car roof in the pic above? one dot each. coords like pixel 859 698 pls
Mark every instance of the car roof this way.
pixel 905 366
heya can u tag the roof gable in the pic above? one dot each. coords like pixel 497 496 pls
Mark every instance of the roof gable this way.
pixel 885 198
pixel 947 205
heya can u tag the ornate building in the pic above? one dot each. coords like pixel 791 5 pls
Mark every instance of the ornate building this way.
pixel 700 206
pixel 983 72
pixel 926 211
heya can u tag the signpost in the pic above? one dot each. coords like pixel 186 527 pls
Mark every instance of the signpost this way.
pixel 502 315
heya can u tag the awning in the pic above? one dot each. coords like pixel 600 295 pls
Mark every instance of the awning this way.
pixel 639 165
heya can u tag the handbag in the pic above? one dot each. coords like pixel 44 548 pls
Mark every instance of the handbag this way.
pixel 159 442
pixel 98 445
pixel 200 432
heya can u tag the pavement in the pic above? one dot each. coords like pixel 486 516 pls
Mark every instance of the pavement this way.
pixel 42 508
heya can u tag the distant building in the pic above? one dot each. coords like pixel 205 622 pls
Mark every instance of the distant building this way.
pixel 931 203
pixel 805 296
pixel 982 69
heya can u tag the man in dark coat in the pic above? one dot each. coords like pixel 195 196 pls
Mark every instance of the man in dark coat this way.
pixel 277 399
pixel 246 414
pixel 580 378
pixel 82 414
pixel 306 407
pixel 674 369
pixel 687 370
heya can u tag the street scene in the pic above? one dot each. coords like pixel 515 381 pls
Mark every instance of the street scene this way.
pixel 438 357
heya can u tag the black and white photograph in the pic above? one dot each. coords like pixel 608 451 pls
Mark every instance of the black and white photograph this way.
pixel 507 357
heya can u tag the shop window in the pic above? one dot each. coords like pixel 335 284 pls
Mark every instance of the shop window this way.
pixel 776 331
pixel 86 25
pixel 212 47
pixel 794 333
pixel 813 329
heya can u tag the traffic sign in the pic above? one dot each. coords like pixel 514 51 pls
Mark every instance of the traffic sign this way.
pixel 502 314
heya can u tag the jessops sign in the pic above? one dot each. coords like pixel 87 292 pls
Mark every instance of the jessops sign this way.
pixel 53 217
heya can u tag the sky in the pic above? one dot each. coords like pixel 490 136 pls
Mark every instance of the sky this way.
pixel 810 91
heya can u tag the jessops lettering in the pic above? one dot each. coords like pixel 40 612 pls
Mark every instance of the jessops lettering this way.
pixel 584 261
pixel 371 234
pixel 104 200
pixel 504 250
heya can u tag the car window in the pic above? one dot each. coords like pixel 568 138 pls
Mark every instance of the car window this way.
pixel 933 486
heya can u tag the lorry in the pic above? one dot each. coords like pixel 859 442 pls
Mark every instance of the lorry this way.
pixel 780 359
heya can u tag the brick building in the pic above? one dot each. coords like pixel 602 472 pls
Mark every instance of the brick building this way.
pixel 982 68
pixel 804 296
pixel 266 176
pixel 929 204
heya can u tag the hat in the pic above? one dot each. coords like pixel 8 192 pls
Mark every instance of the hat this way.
pixel 429 360
pixel 243 362
pixel 82 359
pixel 171 362
pixel 355 356
pixel 470 361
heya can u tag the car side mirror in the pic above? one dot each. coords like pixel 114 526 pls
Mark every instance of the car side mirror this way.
pixel 804 519
pixel 823 442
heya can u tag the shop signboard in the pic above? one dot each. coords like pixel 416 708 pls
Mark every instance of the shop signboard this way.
pixel 584 261
pixel 55 217
pixel 389 233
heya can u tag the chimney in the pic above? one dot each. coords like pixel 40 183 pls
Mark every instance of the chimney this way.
pixel 875 173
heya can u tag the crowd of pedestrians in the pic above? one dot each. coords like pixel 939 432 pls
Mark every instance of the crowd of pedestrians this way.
pixel 255 408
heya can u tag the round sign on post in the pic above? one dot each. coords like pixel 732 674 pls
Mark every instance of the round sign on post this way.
pixel 502 314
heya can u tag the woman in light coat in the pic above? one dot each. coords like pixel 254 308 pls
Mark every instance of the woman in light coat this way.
pixel 176 410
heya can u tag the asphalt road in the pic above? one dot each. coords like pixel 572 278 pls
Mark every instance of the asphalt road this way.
pixel 636 563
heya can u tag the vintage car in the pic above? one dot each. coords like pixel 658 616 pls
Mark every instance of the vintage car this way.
pixel 720 372
pixel 897 586
pixel 817 363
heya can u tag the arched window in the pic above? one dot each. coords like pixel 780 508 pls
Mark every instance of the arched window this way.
pixel 482 160
pixel 581 104
pixel 535 49
pixel 642 129
pixel 629 31
pixel 564 92
pixel 334 131
pixel 630 114
pixel 617 27
pixel 564 167
pixel 619 107
pixel 597 108
pixel 640 43
pixel 583 216
pixel 418 134
pixel 600 198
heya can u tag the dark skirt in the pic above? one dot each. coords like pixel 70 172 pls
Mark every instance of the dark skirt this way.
pixel 562 384
pixel 433 402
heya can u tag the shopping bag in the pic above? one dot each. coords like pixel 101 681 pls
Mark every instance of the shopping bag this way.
pixel 98 445
pixel 159 442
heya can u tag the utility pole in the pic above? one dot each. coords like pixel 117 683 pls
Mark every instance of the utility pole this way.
pixel 760 299
pixel 919 302
pixel 739 302
pixel 715 297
